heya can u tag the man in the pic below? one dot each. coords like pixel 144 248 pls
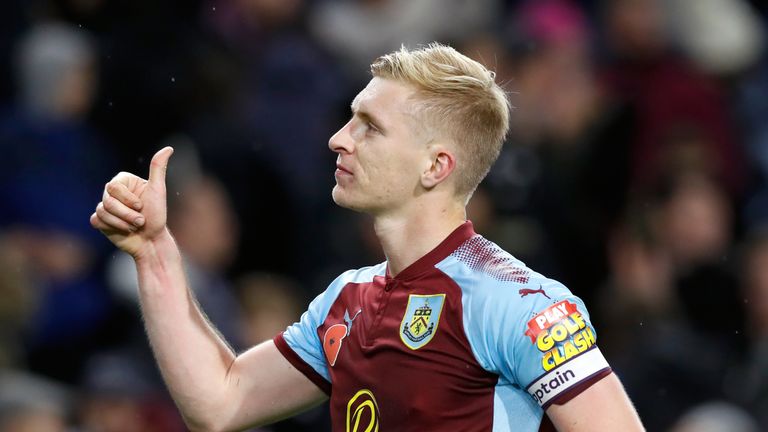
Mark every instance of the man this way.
pixel 449 334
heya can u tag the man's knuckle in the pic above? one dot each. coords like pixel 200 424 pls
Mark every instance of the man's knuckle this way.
pixel 109 203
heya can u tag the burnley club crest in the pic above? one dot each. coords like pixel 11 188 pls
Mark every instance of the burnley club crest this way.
pixel 422 315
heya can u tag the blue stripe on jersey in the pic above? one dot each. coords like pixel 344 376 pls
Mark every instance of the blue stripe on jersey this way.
pixel 302 336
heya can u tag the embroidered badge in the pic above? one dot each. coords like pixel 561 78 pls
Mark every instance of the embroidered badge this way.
pixel 421 318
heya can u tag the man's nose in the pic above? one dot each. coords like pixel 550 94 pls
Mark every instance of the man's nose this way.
pixel 341 141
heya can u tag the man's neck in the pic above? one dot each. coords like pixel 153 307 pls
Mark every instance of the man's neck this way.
pixel 408 236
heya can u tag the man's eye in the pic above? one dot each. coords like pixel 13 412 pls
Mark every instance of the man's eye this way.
pixel 372 127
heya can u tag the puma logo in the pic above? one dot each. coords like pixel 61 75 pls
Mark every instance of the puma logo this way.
pixel 349 320
pixel 525 291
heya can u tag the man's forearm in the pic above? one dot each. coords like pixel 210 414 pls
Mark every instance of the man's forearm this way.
pixel 192 357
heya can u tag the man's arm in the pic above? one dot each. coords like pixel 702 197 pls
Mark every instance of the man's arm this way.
pixel 214 389
pixel 604 406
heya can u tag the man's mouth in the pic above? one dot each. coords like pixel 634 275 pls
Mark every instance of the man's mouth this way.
pixel 340 169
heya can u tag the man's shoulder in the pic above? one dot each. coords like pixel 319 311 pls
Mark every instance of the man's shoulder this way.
pixel 325 300
pixel 359 275
pixel 482 268
pixel 481 258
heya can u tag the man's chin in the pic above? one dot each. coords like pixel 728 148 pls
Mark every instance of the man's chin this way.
pixel 338 197
pixel 342 200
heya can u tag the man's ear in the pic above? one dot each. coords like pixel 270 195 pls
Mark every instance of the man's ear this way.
pixel 442 162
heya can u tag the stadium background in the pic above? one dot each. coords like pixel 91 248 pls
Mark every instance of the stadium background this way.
pixel 635 173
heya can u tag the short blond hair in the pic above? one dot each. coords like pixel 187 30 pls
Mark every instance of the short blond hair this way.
pixel 457 98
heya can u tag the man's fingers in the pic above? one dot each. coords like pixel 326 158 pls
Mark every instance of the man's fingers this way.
pixel 109 221
pixel 158 167
pixel 123 194
pixel 97 223
pixel 122 211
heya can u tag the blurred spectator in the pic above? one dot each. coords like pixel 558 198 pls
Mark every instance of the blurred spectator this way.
pixel 723 37
pixel 751 388
pixel 672 293
pixel 756 283
pixel 118 397
pixel 19 301
pixel 270 304
pixel 290 89
pixel 752 110
pixel 291 99
pixel 360 31
pixel 640 289
pixel 201 218
pixel 52 172
pixel 32 404
pixel 549 186
pixel 716 417
pixel 55 66
pixel 352 243
pixel 206 229
pixel 665 93
pixel 694 224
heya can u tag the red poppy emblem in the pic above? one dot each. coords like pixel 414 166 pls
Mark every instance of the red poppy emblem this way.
pixel 332 342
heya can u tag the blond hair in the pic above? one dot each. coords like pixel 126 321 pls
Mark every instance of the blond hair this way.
pixel 456 98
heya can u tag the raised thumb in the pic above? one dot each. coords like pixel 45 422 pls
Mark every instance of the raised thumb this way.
pixel 158 166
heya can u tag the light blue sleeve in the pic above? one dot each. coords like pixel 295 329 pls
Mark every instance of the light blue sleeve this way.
pixel 535 334
pixel 554 344
pixel 302 336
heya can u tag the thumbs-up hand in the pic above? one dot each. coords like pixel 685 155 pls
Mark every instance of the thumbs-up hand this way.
pixel 133 211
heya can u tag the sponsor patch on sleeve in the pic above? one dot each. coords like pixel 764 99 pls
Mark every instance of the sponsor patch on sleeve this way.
pixel 567 376
pixel 561 333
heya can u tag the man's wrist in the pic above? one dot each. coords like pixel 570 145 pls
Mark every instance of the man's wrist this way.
pixel 159 248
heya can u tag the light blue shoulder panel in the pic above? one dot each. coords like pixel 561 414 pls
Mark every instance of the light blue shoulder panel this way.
pixel 501 298
pixel 302 336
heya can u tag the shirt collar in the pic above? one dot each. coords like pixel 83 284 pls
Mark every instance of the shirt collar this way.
pixel 455 239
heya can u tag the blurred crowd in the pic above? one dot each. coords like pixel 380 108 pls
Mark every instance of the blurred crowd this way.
pixel 636 172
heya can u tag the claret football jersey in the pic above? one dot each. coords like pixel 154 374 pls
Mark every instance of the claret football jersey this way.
pixel 467 338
